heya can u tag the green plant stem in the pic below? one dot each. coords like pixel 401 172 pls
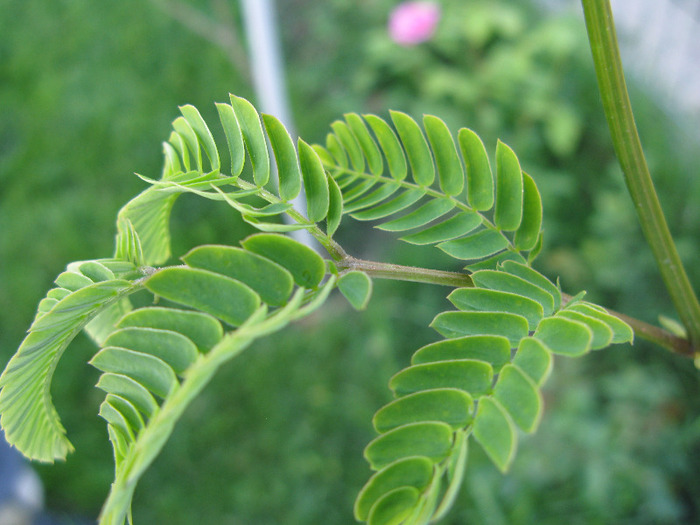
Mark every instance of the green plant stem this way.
pixel 404 273
pixel 651 333
pixel 618 112
pixel 379 270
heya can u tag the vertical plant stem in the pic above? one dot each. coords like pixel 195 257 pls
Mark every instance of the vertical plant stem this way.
pixel 618 112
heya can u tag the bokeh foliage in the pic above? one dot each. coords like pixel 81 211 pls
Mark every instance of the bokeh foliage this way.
pixel 87 93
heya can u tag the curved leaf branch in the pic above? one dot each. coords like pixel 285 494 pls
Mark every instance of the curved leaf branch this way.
pixel 618 111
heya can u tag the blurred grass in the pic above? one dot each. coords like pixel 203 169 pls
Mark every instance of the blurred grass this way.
pixel 87 93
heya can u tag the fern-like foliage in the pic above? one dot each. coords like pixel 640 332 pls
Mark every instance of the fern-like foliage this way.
pixel 482 381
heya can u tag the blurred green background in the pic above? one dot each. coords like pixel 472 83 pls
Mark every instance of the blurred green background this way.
pixel 87 93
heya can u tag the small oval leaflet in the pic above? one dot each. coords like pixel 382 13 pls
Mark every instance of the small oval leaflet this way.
pixel 394 507
pixel 202 329
pixel 449 405
pixel 534 359
pixel 456 324
pixel 390 145
pixel 449 167
pixel 306 266
pixel 494 431
pixel 357 289
pixel 172 347
pixel 149 371
pixel 229 300
pixel 509 189
pixel 564 336
pixel 415 471
pixel 479 176
pixel 469 375
pixel 519 395
pixel 268 279
pixel 416 147
pixel 288 170
pixel 430 439
pixel 315 182
pixel 366 142
pixel 493 349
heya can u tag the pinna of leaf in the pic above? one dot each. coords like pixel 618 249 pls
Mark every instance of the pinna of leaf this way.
pixel 481 382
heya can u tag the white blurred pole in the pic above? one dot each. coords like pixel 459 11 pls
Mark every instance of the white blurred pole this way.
pixel 268 75
pixel 266 59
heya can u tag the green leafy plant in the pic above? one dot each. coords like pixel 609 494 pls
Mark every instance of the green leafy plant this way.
pixel 479 384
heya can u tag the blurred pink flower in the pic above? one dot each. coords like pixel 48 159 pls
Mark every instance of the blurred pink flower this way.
pixel 411 23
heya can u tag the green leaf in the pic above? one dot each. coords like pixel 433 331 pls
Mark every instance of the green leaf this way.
pixel 456 324
pixel 493 349
pixel 475 246
pixel 357 289
pixel 367 144
pixel 178 143
pixel 456 226
pixel 394 507
pixel 482 299
pixel 145 220
pixel 171 164
pixel 413 471
pixel 622 333
pixel 380 194
pixel 534 277
pixel 534 359
pixel 518 394
pixel 202 329
pixel 416 148
pixel 335 148
pixel 147 370
pixel 104 324
pixel 254 139
pixel 29 418
pixel 479 176
pixel 564 336
pixel 428 212
pixel 288 170
pixel 469 375
pixel 95 271
pixel 189 137
pixel 359 189
pixel 116 419
pixel 506 282
pixel 390 145
pixel 448 405
pixel 509 189
pixel 130 415
pixel 432 440
pixel 602 333
pixel 229 300
pixel 349 144
pixel 72 281
pixel 233 136
pixel 527 235
pixel 269 280
pixel 172 347
pixel 455 474
pixel 305 265
pixel 403 201
pixel 128 388
pixel 204 136
pixel 495 432
pixel 335 207
pixel 315 182
pixel 449 167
